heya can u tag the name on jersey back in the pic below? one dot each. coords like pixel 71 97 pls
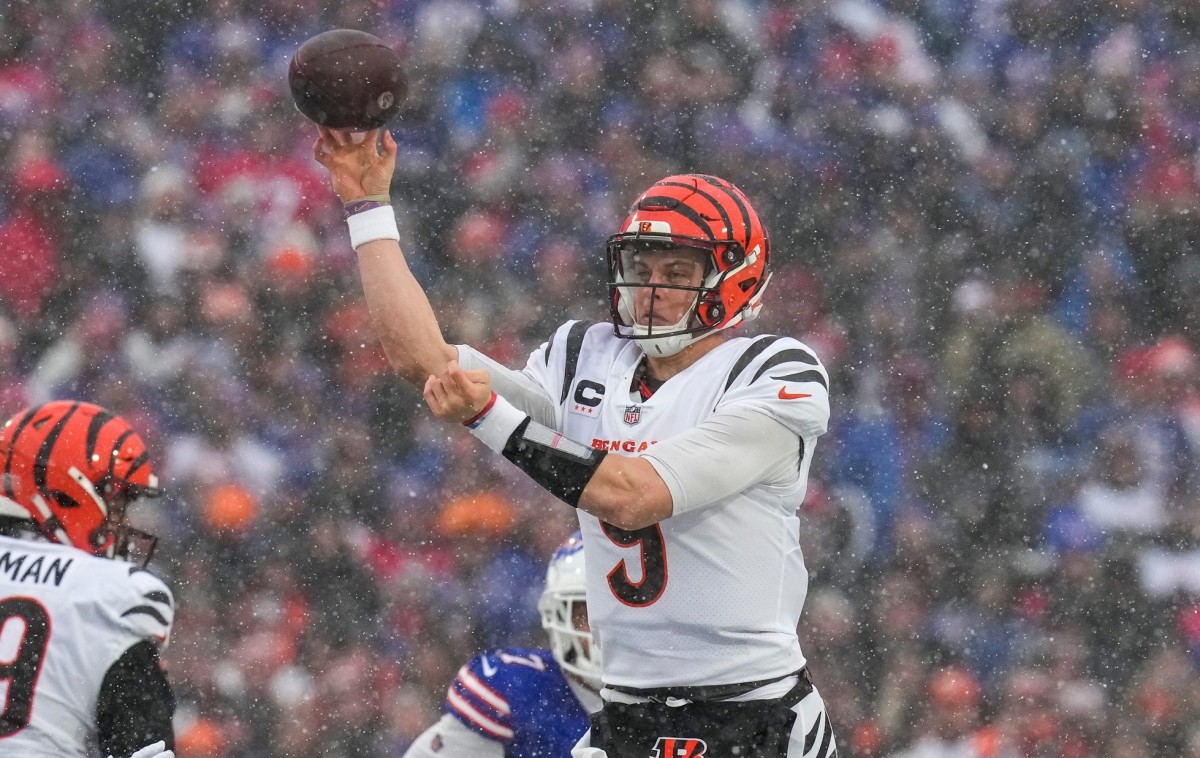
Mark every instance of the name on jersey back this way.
pixel 17 567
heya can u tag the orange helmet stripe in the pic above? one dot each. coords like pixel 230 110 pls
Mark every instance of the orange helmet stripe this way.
pixel 703 212
pixel 55 467
pixel 697 190
pixel 726 200
pixel 672 204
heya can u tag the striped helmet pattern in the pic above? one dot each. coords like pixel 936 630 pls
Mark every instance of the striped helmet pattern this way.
pixel 61 460
pixel 708 213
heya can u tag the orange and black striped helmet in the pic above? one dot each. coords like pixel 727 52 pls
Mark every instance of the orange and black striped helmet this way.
pixel 697 212
pixel 72 468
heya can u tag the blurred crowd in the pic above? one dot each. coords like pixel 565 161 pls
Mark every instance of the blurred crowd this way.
pixel 986 219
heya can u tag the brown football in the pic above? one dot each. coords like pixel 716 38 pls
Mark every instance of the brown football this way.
pixel 347 80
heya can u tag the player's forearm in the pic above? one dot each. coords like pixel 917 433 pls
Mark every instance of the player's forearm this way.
pixel 400 311
pixel 361 174
pixel 625 492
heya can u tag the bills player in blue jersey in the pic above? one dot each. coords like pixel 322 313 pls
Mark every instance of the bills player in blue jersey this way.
pixel 684 445
pixel 520 703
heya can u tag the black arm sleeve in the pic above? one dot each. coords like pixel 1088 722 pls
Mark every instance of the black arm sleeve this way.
pixel 561 465
pixel 136 703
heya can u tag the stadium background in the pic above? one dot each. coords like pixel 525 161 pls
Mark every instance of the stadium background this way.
pixel 985 220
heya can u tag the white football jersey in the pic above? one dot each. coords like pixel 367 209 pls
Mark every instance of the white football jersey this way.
pixel 65 618
pixel 713 594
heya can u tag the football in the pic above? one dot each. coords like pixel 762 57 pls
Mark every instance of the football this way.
pixel 347 80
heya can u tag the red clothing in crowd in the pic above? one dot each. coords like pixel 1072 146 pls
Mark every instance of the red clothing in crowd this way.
pixel 29 265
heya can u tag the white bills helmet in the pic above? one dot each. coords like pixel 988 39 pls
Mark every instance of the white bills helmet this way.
pixel 563 607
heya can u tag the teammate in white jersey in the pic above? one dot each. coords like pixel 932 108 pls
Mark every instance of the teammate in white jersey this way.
pixel 81 627
pixel 685 449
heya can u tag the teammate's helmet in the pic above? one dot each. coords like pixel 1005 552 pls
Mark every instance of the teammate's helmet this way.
pixel 72 468
pixel 699 212
pixel 574 649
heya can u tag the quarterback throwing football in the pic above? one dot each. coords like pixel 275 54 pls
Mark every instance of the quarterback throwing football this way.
pixel 685 449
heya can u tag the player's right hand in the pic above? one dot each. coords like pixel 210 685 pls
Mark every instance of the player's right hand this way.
pixel 357 169
pixel 157 750
pixel 457 395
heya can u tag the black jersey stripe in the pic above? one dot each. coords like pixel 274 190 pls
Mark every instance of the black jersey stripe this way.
pixel 42 463
pixel 12 444
pixel 574 345
pixel 549 346
pixel 826 739
pixel 147 610
pixel 752 352
pixel 93 432
pixel 158 596
pixel 791 355
pixel 805 376
pixel 810 739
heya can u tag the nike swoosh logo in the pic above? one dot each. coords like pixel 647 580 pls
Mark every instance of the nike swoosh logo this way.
pixel 488 669
pixel 785 395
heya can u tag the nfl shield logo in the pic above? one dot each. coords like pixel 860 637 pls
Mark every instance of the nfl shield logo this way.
pixel 633 414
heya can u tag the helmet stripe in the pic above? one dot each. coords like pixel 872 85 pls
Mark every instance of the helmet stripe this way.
pixel 675 204
pixel 734 194
pixel 42 462
pixel 720 209
pixel 699 211
pixel 93 433
pixel 12 446
pixel 138 462
pixel 112 459
pixel 737 200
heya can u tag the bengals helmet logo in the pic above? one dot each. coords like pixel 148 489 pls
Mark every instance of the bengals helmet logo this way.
pixel 679 747
pixel 643 227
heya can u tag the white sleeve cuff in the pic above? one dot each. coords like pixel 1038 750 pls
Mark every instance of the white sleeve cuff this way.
pixel 496 424
pixel 375 224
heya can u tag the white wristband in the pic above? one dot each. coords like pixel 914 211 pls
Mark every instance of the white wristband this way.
pixel 496 424
pixel 375 224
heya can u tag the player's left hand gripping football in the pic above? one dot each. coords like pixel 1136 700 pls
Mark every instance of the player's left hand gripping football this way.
pixel 157 750
pixel 457 395
pixel 357 169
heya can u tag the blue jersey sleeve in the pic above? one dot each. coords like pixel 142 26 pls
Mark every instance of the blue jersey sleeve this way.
pixel 519 698
pixel 479 696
